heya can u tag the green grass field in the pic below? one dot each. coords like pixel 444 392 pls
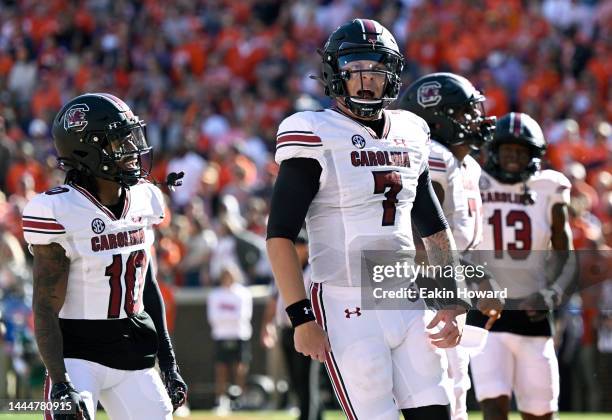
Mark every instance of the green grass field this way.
pixel 282 415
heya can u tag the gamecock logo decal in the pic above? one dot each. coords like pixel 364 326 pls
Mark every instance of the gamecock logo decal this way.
pixel 428 94
pixel 76 117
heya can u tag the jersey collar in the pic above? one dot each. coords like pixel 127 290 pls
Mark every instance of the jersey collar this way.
pixel 386 129
pixel 94 200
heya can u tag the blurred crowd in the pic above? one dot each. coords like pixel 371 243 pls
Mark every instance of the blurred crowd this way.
pixel 213 79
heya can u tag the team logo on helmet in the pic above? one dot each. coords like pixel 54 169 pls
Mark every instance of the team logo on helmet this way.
pixel 76 117
pixel 98 226
pixel 428 94
pixel 358 141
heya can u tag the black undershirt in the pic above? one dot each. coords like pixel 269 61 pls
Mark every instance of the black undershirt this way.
pixel 376 125
pixel 117 209
pixel 298 183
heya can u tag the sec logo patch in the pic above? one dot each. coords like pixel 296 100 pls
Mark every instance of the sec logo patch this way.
pixel 98 226
pixel 358 141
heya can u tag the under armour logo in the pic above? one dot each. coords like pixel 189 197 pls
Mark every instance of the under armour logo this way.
pixel 357 312
pixel 307 310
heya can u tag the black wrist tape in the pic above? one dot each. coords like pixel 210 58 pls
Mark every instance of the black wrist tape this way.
pixel 300 312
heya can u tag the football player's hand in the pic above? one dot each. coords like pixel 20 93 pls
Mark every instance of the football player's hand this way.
pixel 175 386
pixel 450 333
pixel 492 308
pixel 68 397
pixel 311 340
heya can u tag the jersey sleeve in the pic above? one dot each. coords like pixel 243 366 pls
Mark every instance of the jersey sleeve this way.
pixel 426 149
pixel 562 188
pixel 40 223
pixel 559 190
pixel 439 165
pixel 297 139
pixel 444 170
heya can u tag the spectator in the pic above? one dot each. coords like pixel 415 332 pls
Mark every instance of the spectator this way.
pixel 6 152
pixel 229 310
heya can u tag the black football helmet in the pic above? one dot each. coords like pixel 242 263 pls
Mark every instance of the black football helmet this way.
pixel 452 107
pixel 361 39
pixel 517 128
pixel 99 135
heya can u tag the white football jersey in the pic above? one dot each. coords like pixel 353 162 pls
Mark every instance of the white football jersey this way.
pixel 108 256
pixel 517 227
pixel 367 186
pixel 462 205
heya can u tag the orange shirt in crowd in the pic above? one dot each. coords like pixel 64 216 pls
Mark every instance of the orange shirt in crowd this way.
pixel 18 169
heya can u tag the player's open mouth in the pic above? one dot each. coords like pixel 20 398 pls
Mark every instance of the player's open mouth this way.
pixel 365 94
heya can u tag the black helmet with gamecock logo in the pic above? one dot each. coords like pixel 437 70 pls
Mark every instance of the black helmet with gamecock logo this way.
pixel 99 135
pixel 452 107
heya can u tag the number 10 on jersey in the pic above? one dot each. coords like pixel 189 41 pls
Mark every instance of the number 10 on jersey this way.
pixel 133 280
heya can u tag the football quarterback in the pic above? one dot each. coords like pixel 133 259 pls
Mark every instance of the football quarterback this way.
pixel 358 175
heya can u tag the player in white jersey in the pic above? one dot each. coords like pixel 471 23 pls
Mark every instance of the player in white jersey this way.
pixel 526 232
pixel 359 176
pixel 91 241
pixel 453 109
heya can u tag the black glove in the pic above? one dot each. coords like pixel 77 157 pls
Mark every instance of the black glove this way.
pixel 175 386
pixel 72 406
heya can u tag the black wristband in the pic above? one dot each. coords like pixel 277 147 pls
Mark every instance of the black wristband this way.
pixel 300 312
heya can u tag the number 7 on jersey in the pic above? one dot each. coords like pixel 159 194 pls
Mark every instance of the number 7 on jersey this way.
pixel 391 182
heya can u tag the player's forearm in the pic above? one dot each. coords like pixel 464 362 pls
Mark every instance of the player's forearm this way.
pixel 564 267
pixel 50 273
pixel 441 248
pixel 287 270
pixel 563 263
pixel 154 306
pixel 50 342
pixel 441 251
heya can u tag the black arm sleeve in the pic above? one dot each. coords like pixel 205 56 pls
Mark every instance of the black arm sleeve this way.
pixel 296 186
pixel 154 306
pixel 427 215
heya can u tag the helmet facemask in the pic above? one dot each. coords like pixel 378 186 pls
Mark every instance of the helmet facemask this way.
pixel 494 166
pixel 470 124
pixel 126 156
pixel 377 72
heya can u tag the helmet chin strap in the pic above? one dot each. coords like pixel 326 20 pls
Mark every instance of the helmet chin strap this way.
pixel 366 109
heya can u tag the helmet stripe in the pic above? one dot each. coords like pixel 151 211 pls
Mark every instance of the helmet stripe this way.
pixel 118 103
pixel 369 30
pixel 517 124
